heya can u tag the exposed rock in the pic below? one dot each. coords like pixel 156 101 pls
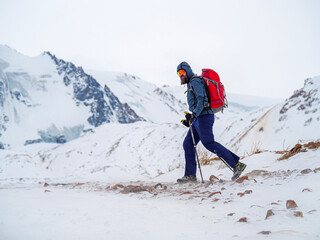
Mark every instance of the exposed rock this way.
pixel 306 190
pixel 300 148
pixel 316 170
pixel 213 178
pixel 296 149
pixel 117 186
pixel 265 232
pixel 135 189
pixel 231 214
pixel 103 104
pixel 256 206
pixel 244 193
pixel 291 204
pixel 312 145
pixel 306 171
pixel 240 180
pixel 258 173
pixel 312 211
pixel 269 213
pixel 214 193
pixel 240 194
pixel 243 219
pixel 158 185
pixel 305 99
pixel 28 142
pixel 298 214
pixel 187 192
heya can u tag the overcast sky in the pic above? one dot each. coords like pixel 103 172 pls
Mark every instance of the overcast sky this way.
pixel 261 47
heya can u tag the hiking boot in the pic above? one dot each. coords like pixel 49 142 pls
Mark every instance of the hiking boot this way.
pixel 238 169
pixel 186 179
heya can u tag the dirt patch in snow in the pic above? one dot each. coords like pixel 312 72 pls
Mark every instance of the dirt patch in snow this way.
pixel 300 148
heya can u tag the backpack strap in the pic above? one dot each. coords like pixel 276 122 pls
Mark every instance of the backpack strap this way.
pixel 208 105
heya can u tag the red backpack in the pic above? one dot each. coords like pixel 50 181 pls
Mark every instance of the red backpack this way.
pixel 217 95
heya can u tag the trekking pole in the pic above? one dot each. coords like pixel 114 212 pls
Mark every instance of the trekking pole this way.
pixel 195 148
pixel 226 164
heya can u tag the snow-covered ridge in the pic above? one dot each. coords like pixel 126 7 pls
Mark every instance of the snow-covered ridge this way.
pixel 44 98
pixel 284 125
pixel 148 100
pixel 306 100
pixel 89 92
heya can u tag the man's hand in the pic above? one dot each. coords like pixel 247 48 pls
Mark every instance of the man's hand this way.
pixel 185 123
pixel 189 119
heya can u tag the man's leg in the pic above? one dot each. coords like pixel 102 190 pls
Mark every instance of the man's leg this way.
pixel 189 152
pixel 204 127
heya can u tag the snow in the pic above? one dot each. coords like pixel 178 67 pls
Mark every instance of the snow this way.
pixel 118 181
pixel 277 129
pixel 44 93
pixel 146 99
pixel 92 210
pixel 52 191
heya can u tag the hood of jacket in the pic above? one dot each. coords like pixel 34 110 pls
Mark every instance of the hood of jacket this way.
pixel 185 66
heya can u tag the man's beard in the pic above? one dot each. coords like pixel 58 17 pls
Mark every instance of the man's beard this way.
pixel 184 80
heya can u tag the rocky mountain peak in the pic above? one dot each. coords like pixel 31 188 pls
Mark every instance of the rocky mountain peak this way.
pixel 306 99
pixel 104 105
pixel 53 99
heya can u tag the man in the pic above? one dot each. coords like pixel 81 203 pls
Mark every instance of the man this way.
pixel 202 119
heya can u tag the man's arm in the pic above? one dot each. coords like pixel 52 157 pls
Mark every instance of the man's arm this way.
pixel 200 94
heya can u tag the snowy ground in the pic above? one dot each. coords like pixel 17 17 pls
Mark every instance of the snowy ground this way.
pixel 145 210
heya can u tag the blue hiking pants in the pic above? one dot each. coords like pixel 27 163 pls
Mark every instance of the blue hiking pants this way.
pixel 202 130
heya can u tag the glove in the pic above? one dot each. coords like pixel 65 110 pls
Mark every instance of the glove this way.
pixel 185 123
pixel 189 119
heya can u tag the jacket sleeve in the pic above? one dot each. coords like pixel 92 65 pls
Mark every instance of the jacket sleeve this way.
pixel 200 94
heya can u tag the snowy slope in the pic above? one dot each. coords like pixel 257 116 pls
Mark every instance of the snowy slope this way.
pixel 111 151
pixel 241 115
pixel 256 123
pixel 284 125
pixel 118 182
pixel 56 195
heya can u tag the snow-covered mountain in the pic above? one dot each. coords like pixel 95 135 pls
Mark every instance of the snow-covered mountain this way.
pixel 280 127
pixel 148 149
pixel 118 180
pixel 257 123
pixel 47 99
pixel 154 104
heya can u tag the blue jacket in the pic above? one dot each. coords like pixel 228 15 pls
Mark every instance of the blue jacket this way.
pixel 197 97
pixel 197 92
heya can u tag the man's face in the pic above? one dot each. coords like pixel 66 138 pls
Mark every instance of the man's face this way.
pixel 183 76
